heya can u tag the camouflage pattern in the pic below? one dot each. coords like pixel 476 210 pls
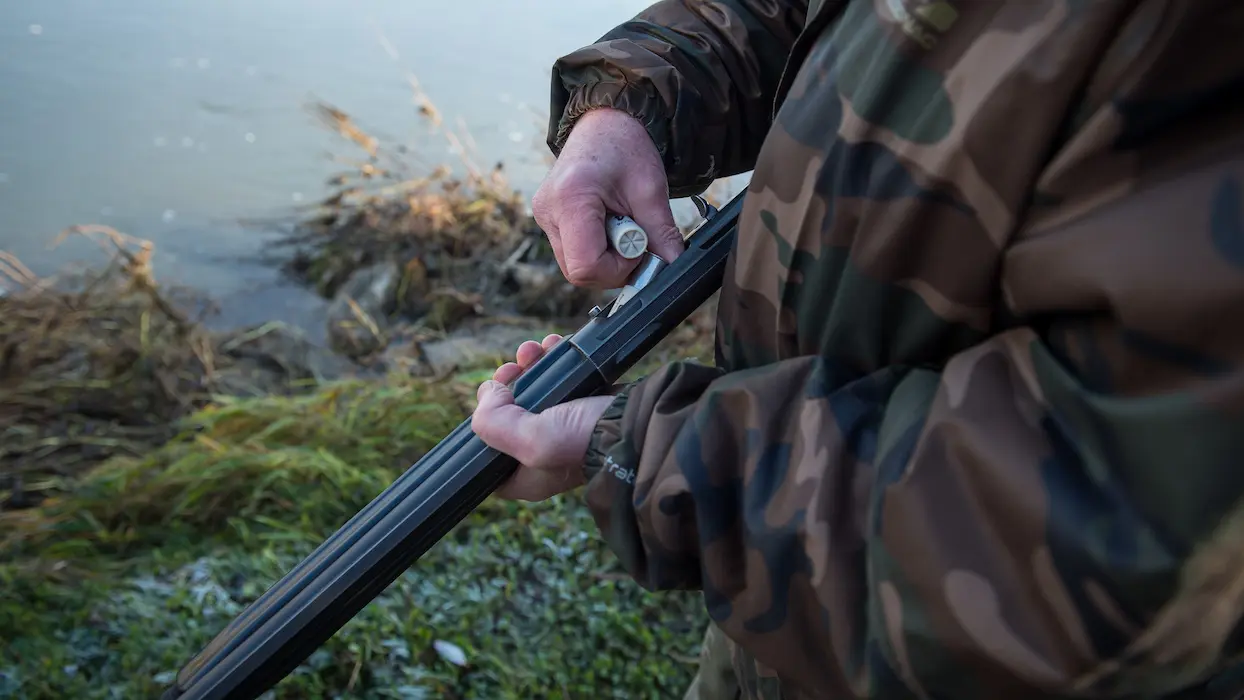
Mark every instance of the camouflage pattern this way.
pixel 977 418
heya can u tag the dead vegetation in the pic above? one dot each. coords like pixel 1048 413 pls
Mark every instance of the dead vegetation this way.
pixel 398 251
pixel 102 363
pixel 91 367
pixel 420 261
pixel 405 249
pixel 379 209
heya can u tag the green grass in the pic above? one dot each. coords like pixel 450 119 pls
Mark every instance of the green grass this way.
pixel 111 587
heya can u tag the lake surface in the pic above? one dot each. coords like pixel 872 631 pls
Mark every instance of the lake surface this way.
pixel 172 121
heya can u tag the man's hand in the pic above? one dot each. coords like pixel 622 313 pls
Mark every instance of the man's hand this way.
pixel 608 163
pixel 550 445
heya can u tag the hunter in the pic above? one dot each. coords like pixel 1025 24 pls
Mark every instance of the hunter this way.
pixel 975 427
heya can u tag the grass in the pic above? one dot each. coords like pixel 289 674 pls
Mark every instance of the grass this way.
pixel 112 586
pixel 130 562
pixel 141 509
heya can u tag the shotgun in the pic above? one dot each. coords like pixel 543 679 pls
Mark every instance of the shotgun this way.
pixel 282 627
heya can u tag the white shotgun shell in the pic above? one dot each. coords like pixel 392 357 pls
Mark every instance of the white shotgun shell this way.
pixel 626 236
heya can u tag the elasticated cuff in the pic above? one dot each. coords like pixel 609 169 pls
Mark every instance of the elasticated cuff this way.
pixel 633 100
pixel 606 435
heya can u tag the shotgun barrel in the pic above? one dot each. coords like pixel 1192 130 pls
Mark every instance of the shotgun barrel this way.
pixel 294 617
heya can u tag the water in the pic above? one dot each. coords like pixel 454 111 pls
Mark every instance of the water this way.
pixel 173 120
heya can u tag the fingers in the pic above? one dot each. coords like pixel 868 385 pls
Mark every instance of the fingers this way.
pixel 650 208
pixel 506 426
pixel 590 261
pixel 549 446
pixel 529 352
pixel 544 210
pixel 507 373
pixel 608 162
pixel 575 227
pixel 549 226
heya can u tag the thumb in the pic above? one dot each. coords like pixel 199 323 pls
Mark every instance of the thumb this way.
pixel 652 211
pixel 502 424
pixel 590 262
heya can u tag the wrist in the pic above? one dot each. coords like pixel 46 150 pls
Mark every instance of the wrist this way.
pixel 608 102
pixel 607 117
pixel 615 127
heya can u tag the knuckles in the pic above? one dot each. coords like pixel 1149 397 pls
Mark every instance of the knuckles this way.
pixel 582 276
pixel 651 190
pixel 480 425
pixel 540 207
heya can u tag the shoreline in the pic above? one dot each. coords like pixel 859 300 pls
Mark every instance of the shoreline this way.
pixel 158 475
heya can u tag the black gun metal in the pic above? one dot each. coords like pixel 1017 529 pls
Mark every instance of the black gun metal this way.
pixel 302 610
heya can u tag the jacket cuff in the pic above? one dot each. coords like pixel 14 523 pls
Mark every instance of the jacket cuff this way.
pixel 635 101
pixel 606 437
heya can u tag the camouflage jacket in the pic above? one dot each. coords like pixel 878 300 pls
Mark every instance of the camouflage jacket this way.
pixel 978 393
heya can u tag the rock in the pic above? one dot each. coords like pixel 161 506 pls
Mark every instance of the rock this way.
pixel 271 357
pixel 359 312
pixel 356 337
pixel 465 346
pixel 373 288
pixel 541 290
pixel 535 276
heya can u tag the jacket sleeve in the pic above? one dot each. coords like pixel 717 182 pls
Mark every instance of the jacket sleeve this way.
pixel 1057 505
pixel 700 74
